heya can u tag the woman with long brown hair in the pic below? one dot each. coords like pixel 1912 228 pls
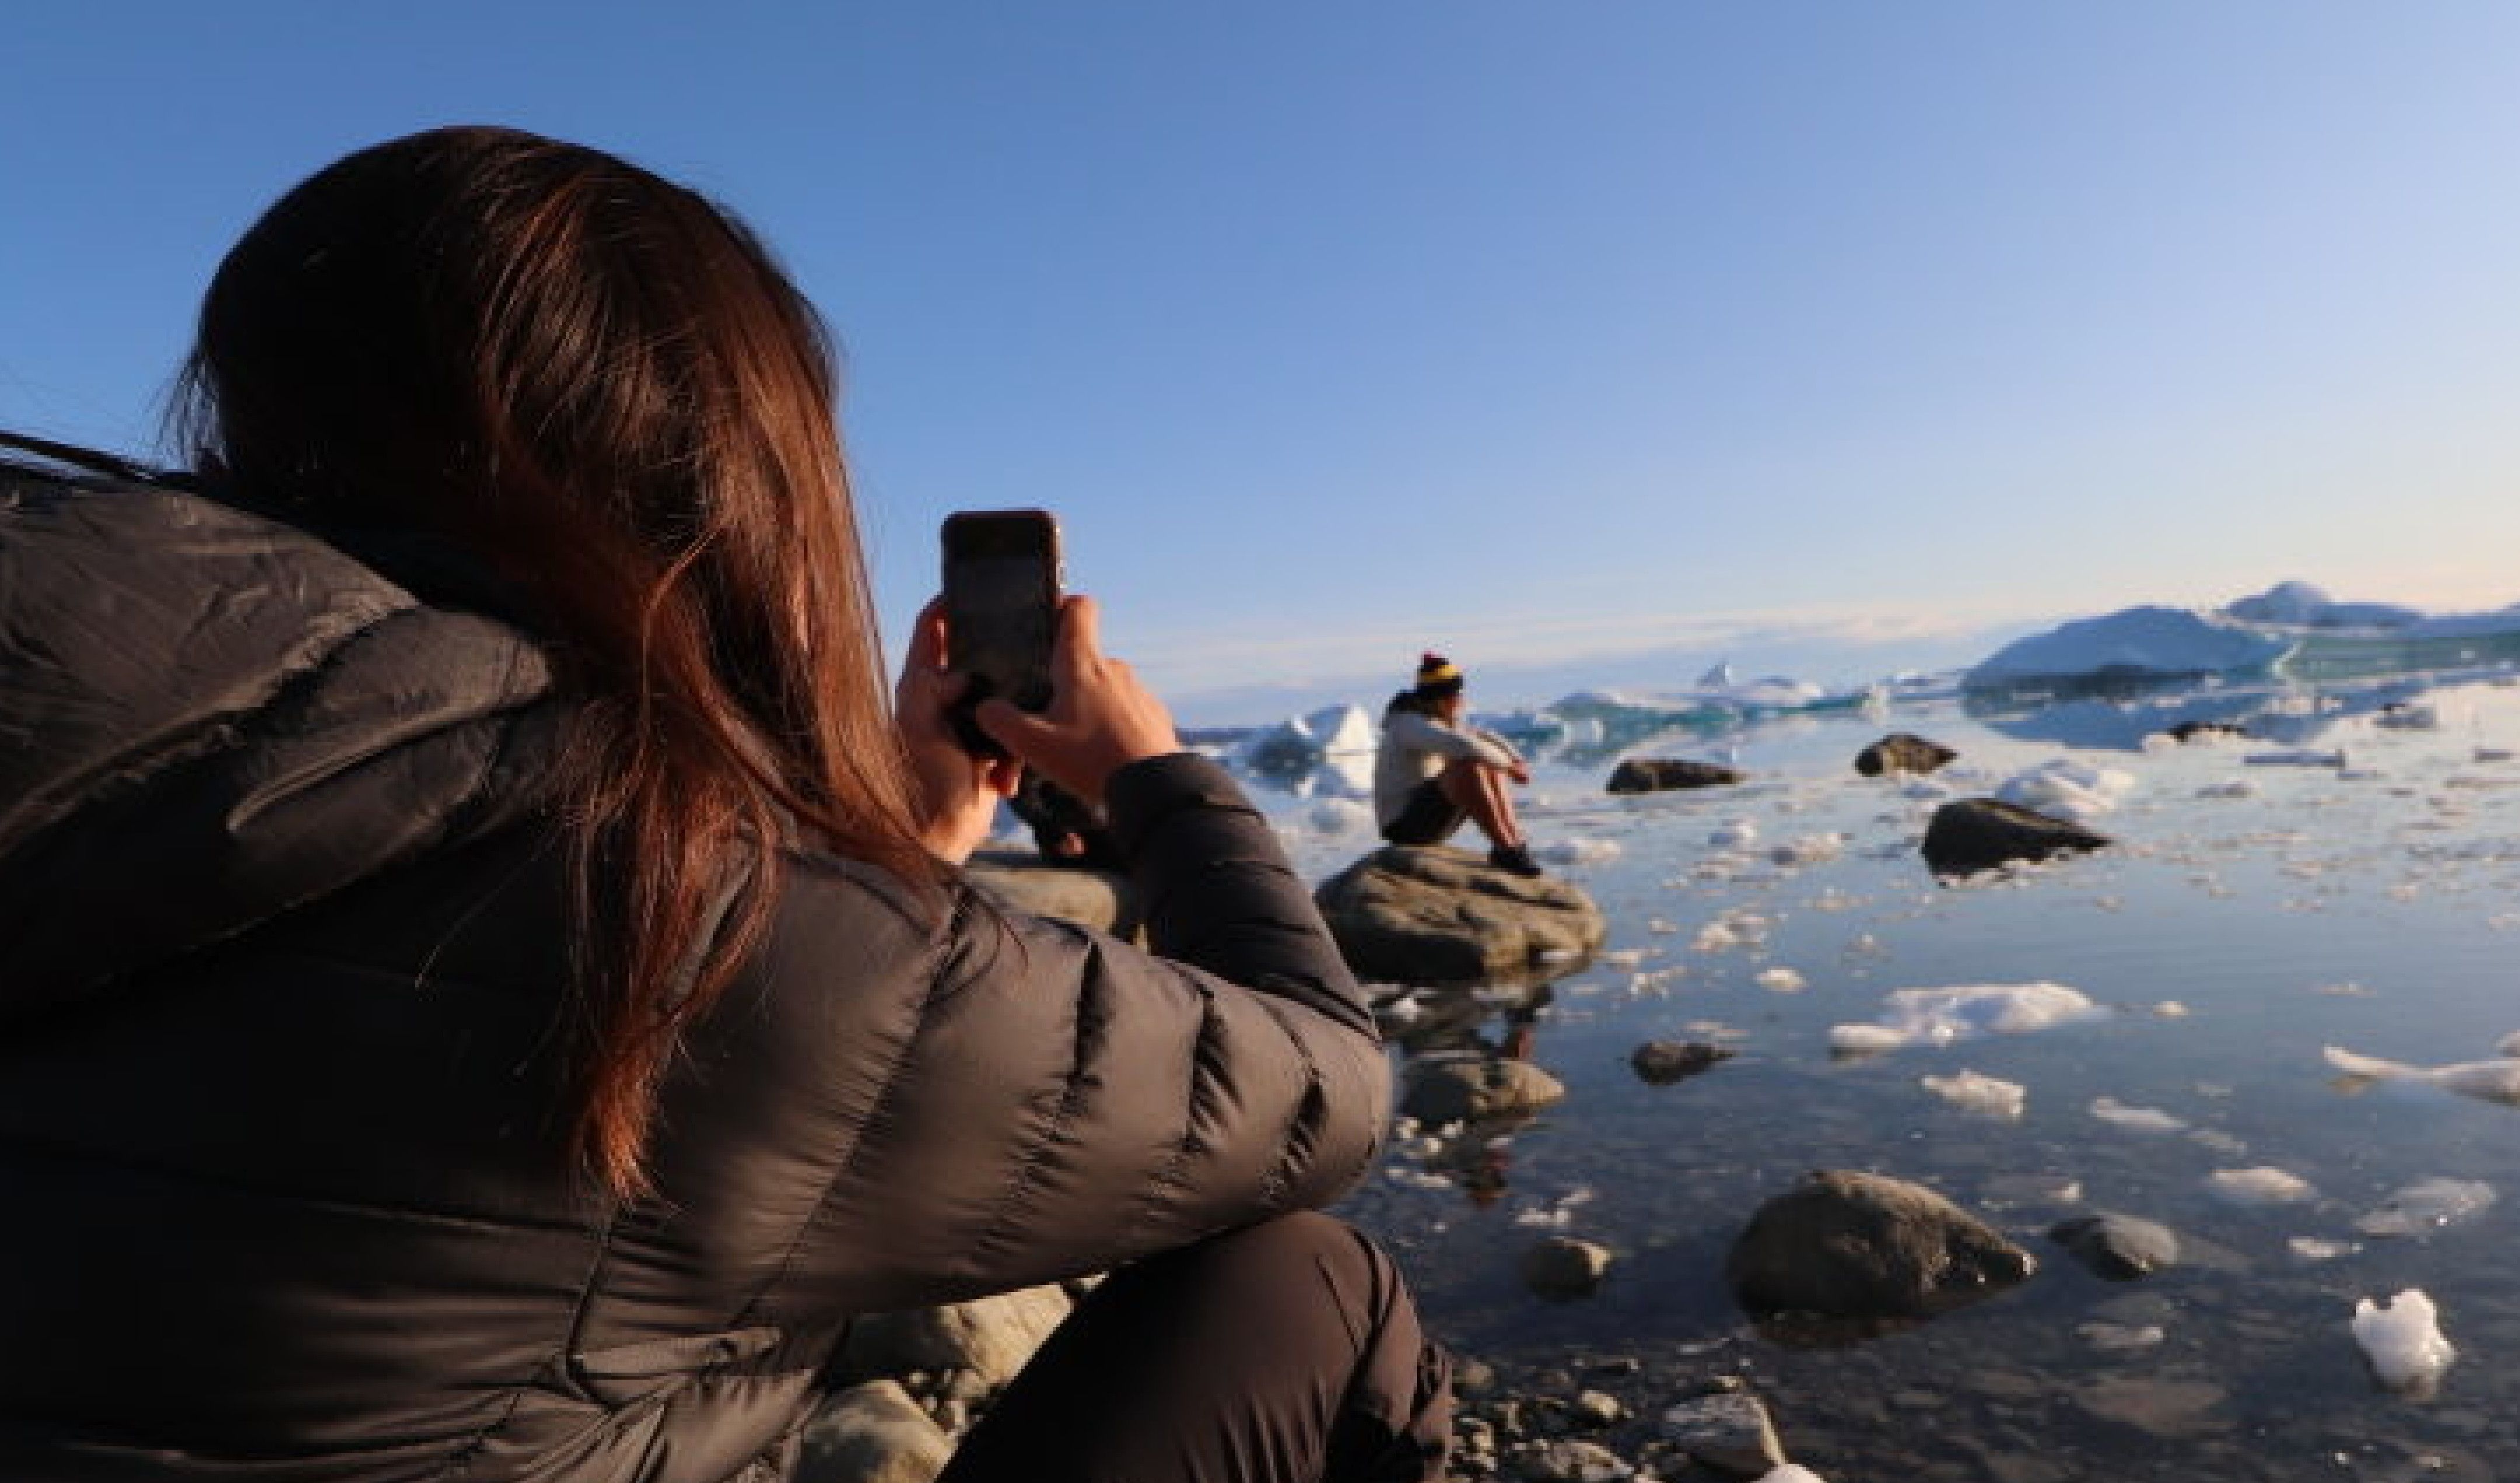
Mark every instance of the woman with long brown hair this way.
pixel 490 989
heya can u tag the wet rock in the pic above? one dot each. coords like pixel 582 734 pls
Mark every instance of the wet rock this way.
pixel 991 1337
pixel 1436 914
pixel 1972 834
pixel 1656 774
pixel 2119 1247
pixel 1564 1461
pixel 1022 880
pixel 1561 1268
pixel 1849 1245
pixel 1729 1431
pixel 1469 1091
pixel 2164 1408
pixel 1902 752
pixel 872 1433
pixel 1597 1409
pixel 1660 1062
pixel 2189 730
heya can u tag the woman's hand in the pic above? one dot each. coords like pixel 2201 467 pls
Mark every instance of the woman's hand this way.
pixel 958 793
pixel 1099 718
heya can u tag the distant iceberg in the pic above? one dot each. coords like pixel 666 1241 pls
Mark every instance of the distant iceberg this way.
pixel 2291 631
pixel 2137 644
pixel 2298 604
pixel 1328 751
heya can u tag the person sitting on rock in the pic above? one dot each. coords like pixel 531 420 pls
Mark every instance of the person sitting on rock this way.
pixel 1435 771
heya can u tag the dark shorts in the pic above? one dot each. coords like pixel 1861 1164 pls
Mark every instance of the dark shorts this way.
pixel 1428 818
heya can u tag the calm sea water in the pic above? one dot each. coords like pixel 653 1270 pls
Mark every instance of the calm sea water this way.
pixel 2233 934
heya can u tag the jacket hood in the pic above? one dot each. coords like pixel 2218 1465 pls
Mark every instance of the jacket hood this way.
pixel 209 718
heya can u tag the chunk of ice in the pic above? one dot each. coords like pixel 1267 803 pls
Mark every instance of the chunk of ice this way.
pixel 1990 1095
pixel 2116 1113
pixel 1582 851
pixel 1940 1017
pixel 2427 1204
pixel 2261 1186
pixel 1781 981
pixel 2402 1337
pixel 2496 1080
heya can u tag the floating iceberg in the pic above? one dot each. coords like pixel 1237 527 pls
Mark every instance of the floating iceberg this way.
pixel 2402 1337
pixel 1990 1095
pixel 2116 1113
pixel 2292 629
pixel 2075 792
pixel 2298 604
pixel 2496 1080
pixel 2427 1204
pixel 1327 753
pixel 2137 644
pixel 1940 1017
pixel 2261 1186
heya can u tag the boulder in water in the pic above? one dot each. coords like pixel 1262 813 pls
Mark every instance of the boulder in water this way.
pixel 1436 914
pixel 1656 774
pixel 1480 1089
pixel 1902 752
pixel 1562 1268
pixel 1660 1062
pixel 1856 1245
pixel 1972 834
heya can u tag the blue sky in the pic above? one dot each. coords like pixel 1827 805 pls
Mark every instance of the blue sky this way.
pixel 1581 341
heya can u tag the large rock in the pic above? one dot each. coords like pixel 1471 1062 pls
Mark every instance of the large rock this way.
pixel 991 1337
pixel 1656 774
pixel 1902 752
pixel 1660 1062
pixel 1561 1267
pixel 1728 1430
pixel 1972 834
pixel 1856 1245
pixel 1022 880
pixel 1436 914
pixel 872 1433
pixel 1439 1092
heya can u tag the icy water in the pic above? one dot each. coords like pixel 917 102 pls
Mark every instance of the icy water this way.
pixel 2252 915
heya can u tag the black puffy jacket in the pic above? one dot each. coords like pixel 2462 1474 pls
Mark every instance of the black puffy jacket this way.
pixel 281 946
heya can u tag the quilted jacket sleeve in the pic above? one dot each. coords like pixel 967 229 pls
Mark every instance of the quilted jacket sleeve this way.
pixel 1426 735
pixel 1065 1101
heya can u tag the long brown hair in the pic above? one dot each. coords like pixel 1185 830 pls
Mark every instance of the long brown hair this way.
pixel 600 385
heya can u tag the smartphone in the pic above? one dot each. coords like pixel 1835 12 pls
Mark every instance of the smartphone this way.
pixel 1002 583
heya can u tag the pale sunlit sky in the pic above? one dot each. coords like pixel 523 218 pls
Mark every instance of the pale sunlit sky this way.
pixel 1573 339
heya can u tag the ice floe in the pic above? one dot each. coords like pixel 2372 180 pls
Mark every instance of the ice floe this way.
pixel 1580 851
pixel 2135 643
pixel 2118 1115
pixel 1938 1016
pixel 2261 1186
pixel 1781 981
pixel 2496 1080
pixel 2427 1204
pixel 1971 1092
pixel 1810 849
pixel 2402 1341
pixel 2067 789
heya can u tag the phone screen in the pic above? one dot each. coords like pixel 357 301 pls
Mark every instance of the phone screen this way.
pixel 1002 602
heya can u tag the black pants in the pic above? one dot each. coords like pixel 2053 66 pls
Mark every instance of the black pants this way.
pixel 1287 1352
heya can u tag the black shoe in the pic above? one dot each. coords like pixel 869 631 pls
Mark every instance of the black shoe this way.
pixel 1515 859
